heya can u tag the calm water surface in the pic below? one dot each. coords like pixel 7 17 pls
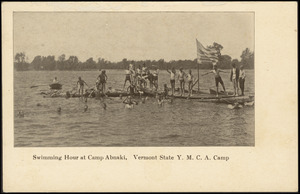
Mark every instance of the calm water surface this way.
pixel 182 123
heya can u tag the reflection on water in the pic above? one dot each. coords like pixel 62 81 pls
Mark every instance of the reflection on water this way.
pixel 182 123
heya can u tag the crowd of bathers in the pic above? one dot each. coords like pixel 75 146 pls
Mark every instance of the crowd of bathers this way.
pixel 140 78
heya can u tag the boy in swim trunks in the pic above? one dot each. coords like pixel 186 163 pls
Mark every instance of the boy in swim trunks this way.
pixel 172 79
pixel 155 78
pixel 103 78
pixel 165 93
pixel 150 77
pixel 144 75
pixel 131 89
pixel 80 85
pixel 181 76
pixel 138 75
pixel 190 78
pixel 234 78
pixel 128 76
pixel 242 79
pixel 218 78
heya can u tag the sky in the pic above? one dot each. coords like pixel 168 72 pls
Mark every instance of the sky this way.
pixel 131 35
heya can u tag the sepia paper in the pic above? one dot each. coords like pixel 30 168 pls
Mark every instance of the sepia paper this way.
pixel 269 165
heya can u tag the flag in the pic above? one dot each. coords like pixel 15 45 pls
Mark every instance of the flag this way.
pixel 206 55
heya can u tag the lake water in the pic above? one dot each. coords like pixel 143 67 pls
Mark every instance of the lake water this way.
pixel 182 123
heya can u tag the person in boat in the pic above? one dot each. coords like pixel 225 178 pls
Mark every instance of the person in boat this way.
pixel 127 77
pixel 190 79
pixel 218 78
pixel 103 79
pixel 155 78
pixel 181 76
pixel 172 79
pixel 234 78
pixel 55 81
pixel 242 79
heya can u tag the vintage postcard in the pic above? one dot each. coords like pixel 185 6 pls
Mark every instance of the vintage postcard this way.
pixel 149 96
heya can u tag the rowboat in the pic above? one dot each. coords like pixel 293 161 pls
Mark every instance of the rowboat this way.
pixel 55 86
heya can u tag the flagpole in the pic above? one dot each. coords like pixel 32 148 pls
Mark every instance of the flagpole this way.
pixel 198 79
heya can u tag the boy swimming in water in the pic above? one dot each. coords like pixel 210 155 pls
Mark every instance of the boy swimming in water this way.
pixel 129 102
pixel 218 78
pixel 172 79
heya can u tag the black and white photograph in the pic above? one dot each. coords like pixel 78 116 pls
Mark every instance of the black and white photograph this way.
pixel 150 96
pixel 133 79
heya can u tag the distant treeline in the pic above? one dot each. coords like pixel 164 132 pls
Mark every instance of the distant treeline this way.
pixel 48 63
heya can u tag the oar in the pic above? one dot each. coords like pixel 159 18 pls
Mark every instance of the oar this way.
pixel 39 85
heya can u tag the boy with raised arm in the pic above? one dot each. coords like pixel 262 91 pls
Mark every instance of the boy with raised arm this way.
pixel 218 78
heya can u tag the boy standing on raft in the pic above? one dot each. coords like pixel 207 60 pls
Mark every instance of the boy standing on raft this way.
pixel 190 79
pixel 181 76
pixel 234 77
pixel 172 80
pixel 103 78
pixel 80 85
pixel 242 79
pixel 218 78
pixel 128 76
pixel 155 78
